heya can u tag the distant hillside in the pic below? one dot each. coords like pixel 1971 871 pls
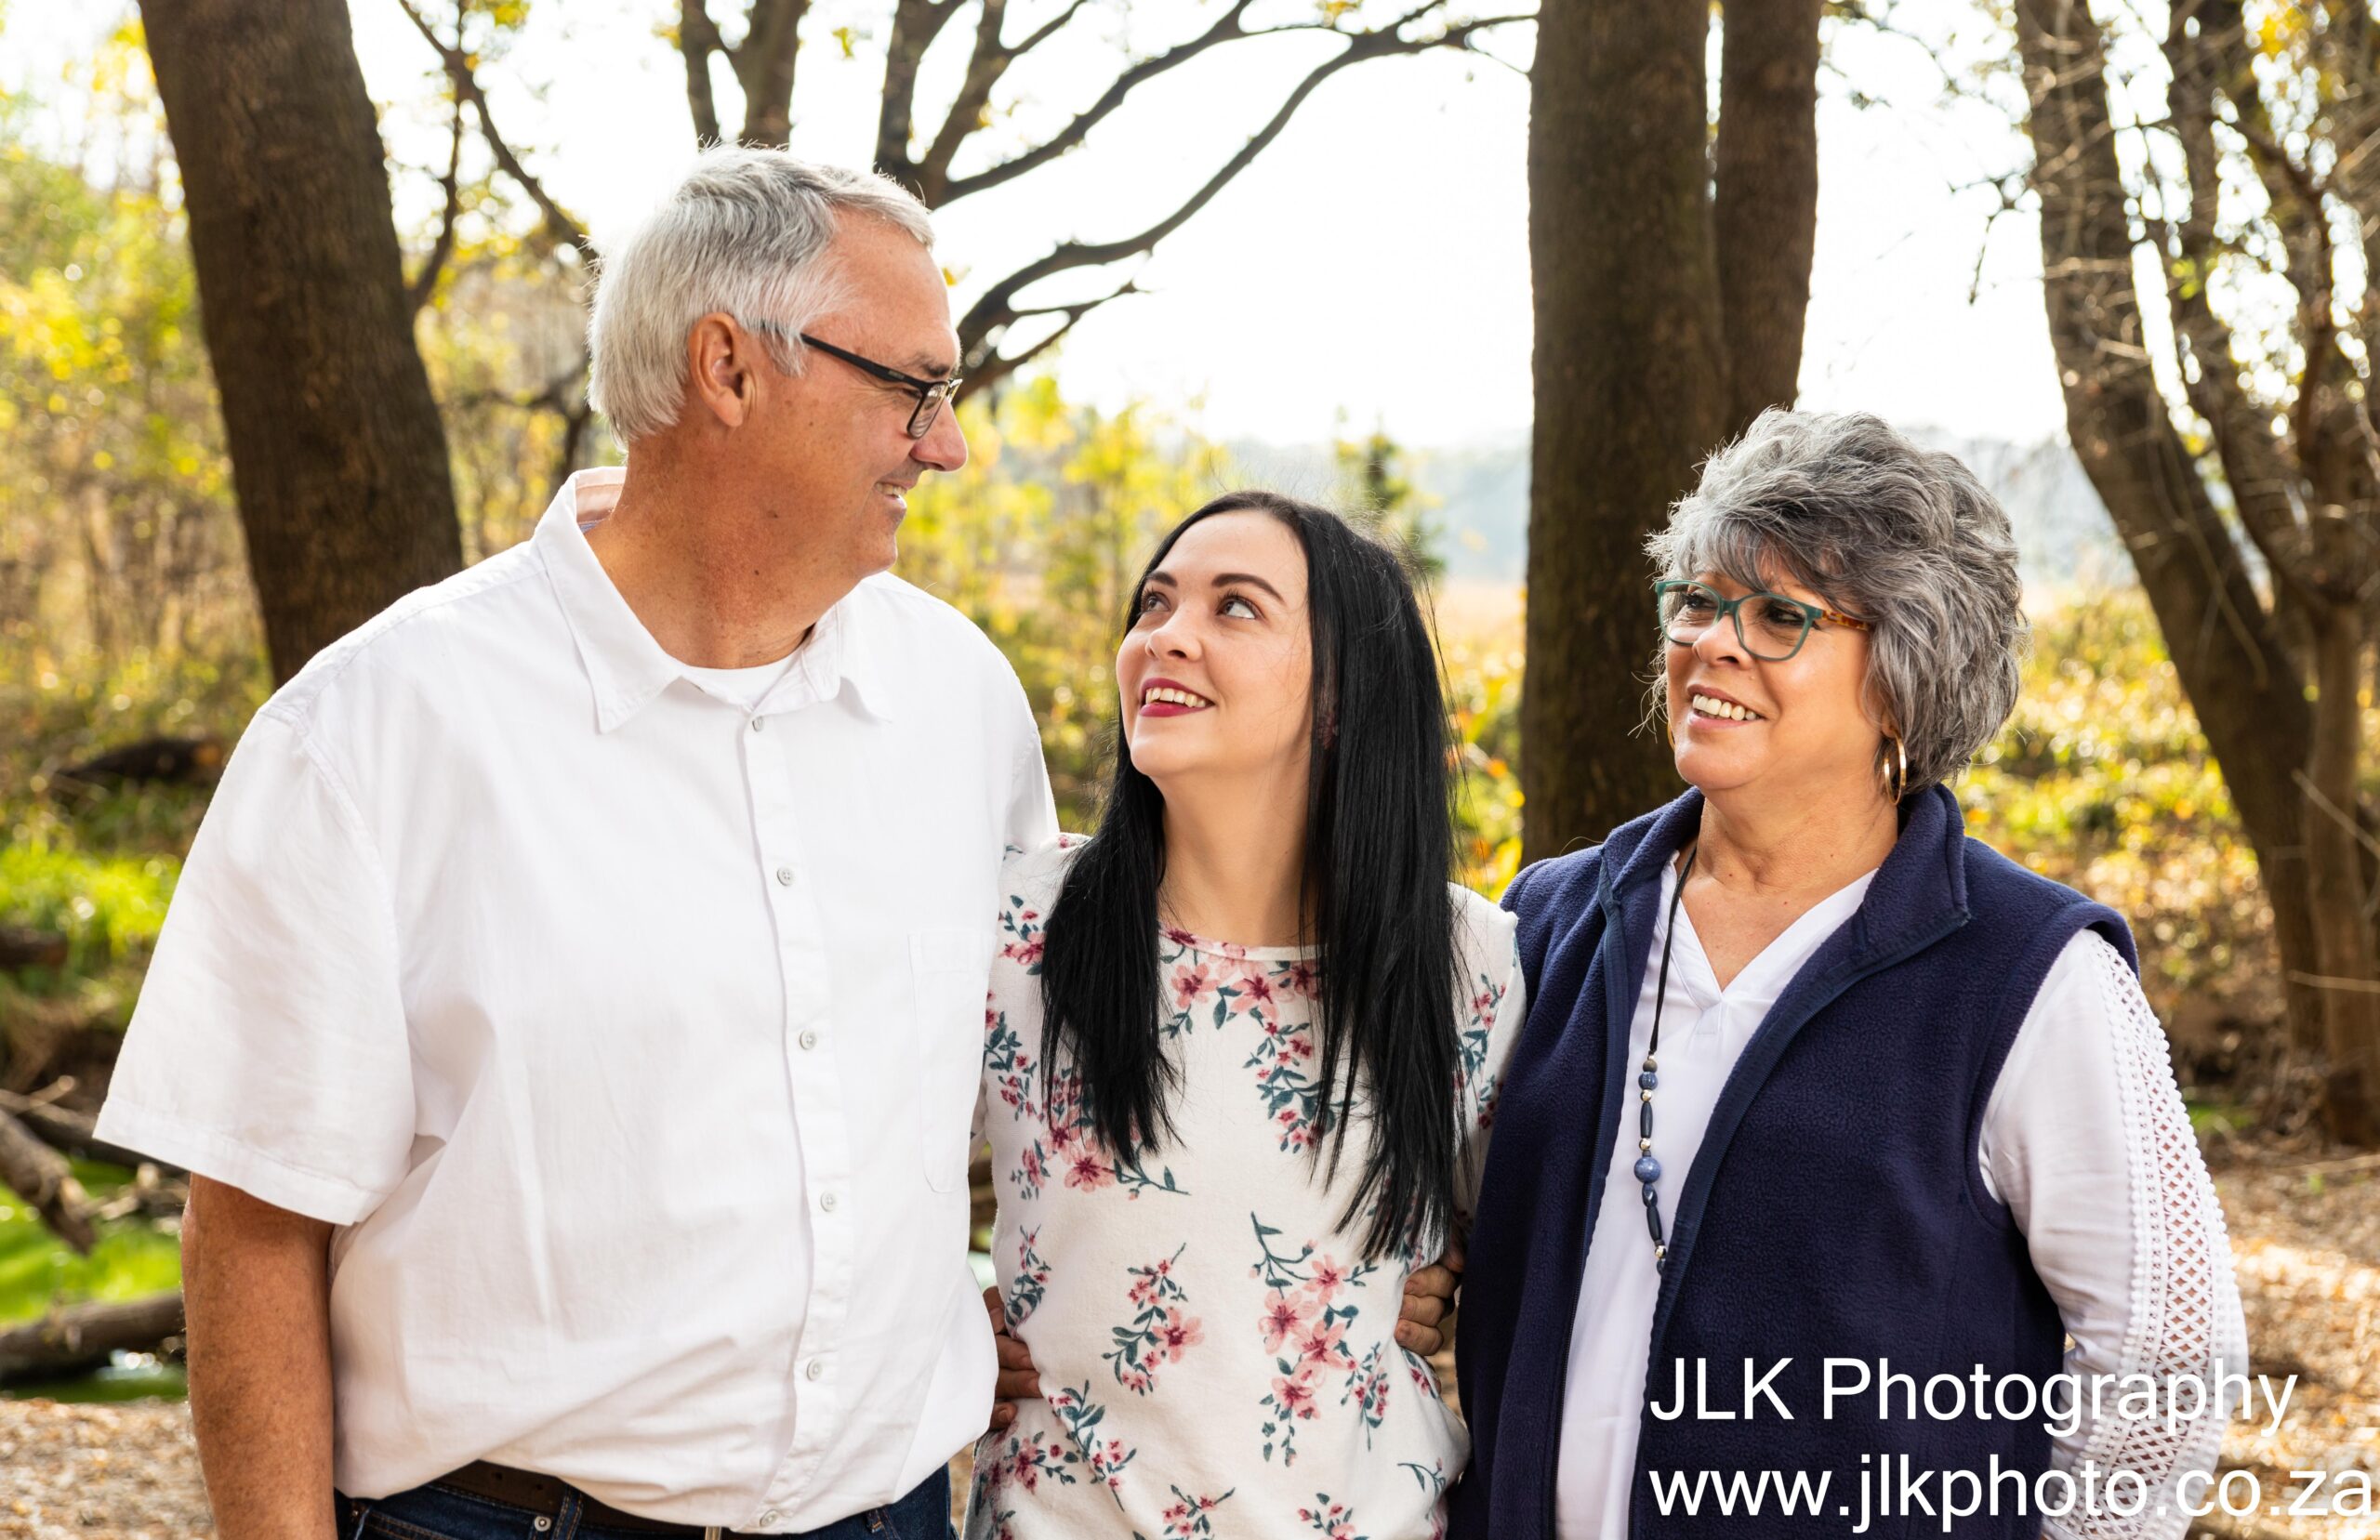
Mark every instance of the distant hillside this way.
pixel 1480 501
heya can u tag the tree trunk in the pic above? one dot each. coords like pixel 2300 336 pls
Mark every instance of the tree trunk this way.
pixel 338 453
pixel 2247 693
pixel 2343 936
pixel 1630 380
pixel 1764 204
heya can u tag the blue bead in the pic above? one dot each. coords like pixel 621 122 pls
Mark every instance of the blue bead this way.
pixel 1648 1170
pixel 1648 1079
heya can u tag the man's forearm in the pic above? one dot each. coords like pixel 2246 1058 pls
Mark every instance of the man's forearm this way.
pixel 255 1281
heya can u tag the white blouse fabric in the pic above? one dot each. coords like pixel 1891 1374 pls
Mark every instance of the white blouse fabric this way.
pixel 1216 1357
pixel 2085 1139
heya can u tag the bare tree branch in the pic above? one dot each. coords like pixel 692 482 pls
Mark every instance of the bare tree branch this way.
pixel 560 227
pixel 697 40
pixel 979 331
pixel 1230 27
pixel 2208 58
pixel 986 62
pixel 916 24
pixel 1000 366
pixel 764 63
pixel 425 282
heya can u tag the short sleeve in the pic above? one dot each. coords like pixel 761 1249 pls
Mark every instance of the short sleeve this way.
pixel 269 1049
pixel 1494 1003
pixel 1032 816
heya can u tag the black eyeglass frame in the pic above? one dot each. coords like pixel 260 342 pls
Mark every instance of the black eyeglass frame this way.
pixel 930 393
pixel 1724 608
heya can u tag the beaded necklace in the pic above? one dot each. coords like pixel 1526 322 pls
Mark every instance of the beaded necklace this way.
pixel 1648 1170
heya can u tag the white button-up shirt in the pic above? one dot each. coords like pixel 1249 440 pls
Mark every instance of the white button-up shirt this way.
pixel 630 1032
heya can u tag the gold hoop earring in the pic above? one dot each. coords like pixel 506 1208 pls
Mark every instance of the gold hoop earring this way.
pixel 1892 770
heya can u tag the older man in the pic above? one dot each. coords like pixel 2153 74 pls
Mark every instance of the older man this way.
pixel 572 1008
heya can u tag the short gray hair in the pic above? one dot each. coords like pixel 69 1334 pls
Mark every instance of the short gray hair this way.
pixel 1905 538
pixel 745 232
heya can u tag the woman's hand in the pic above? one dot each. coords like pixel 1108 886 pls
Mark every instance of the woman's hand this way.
pixel 1018 1380
pixel 1429 1300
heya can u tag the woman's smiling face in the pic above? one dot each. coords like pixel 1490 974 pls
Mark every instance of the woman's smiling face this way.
pixel 1790 728
pixel 1216 674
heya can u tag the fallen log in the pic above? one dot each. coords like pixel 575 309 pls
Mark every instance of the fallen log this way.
pixel 73 1132
pixel 41 1176
pixel 24 947
pixel 80 1337
pixel 182 762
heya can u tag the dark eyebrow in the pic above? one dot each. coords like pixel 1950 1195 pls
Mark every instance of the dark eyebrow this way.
pixel 1222 580
pixel 925 366
pixel 1250 580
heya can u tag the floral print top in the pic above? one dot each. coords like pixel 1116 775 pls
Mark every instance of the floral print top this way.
pixel 1218 1358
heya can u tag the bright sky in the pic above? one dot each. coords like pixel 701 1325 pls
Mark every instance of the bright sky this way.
pixel 1373 263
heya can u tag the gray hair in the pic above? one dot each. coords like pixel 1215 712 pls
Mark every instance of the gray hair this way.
pixel 747 233
pixel 1905 538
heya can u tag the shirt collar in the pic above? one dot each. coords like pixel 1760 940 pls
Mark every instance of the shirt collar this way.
pixel 626 668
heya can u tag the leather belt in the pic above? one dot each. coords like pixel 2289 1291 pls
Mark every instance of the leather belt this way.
pixel 526 1489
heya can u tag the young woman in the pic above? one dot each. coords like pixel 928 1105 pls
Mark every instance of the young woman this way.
pixel 1242 1049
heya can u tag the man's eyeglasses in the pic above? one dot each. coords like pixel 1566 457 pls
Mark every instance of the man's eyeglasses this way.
pixel 1772 627
pixel 930 393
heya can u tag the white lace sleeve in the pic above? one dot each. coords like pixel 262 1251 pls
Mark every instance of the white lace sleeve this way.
pixel 2087 1141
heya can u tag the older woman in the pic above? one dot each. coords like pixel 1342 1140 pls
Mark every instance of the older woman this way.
pixel 1829 1125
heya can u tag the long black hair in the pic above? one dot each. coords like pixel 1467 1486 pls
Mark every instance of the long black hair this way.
pixel 1379 845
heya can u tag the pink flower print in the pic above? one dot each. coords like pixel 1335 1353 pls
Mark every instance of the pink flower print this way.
pixel 1081 1416
pixel 1327 1279
pixel 1282 1319
pixel 1191 981
pixel 1294 1395
pixel 1085 1172
pixel 1303 979
pixel 1158 1334
pixel 1332 1521
pixel 1258 989
pixel 1179 937
pixel 1027 950
pixel 1323 1347
pixel 1177 1335
pixel 1191 1518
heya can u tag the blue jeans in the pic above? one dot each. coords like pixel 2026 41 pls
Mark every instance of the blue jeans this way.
pixel 434 1512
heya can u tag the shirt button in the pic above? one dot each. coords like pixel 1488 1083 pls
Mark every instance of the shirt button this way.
pixel 784 877
pixel 767 1516
pixel 818 1368
pixel 808 1039
pixel 757 723
pixel 826 1202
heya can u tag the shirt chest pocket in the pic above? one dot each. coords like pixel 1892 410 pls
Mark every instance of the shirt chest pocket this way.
pixel 950 977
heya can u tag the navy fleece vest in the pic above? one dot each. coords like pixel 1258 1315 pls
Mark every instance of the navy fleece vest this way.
pixel 1834 1209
